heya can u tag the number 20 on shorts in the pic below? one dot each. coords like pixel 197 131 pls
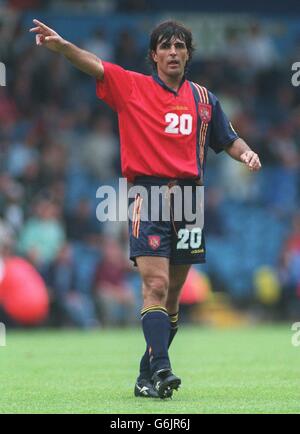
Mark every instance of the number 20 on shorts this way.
pixel 189 239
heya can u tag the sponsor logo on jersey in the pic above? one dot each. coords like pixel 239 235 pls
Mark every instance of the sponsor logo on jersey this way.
pixel 195 252
pixel 180 107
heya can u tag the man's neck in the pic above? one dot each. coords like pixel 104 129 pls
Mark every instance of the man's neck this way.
pixel 172 82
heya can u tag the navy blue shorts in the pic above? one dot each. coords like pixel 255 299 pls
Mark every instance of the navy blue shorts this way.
pixel 157 227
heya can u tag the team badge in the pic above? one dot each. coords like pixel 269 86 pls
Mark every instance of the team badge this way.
pixel 204 112
pixel 154 241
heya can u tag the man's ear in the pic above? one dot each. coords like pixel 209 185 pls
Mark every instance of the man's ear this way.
pixel 187 58
pixel 154 56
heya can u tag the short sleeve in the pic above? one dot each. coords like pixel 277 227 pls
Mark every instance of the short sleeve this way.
pixel 222 132
pixel 116 87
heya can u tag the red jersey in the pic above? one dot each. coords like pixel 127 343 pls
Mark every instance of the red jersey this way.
pixel 163 133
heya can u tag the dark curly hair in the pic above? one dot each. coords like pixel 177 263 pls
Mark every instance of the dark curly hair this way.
pixel 165 32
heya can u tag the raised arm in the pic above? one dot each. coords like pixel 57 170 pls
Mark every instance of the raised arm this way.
pixel 240 151
pixel 83 60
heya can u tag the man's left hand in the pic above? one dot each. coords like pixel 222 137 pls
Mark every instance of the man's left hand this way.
pixel 251 159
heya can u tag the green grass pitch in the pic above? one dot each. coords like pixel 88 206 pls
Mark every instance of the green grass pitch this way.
pixel 245 370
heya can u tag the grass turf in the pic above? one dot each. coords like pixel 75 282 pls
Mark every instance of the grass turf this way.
pixel 246 370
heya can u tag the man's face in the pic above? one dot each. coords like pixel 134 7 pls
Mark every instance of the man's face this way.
pixel 171 57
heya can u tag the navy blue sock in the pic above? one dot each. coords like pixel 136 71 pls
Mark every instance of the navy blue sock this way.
pixel 174 326
pixel 145 366
pixel 145 361
pixel 156 328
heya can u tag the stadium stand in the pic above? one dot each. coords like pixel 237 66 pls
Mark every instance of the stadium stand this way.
pixel 51 122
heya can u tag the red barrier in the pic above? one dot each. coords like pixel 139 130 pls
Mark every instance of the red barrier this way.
pixel 196 288
pixel 23 293
pixel 1 276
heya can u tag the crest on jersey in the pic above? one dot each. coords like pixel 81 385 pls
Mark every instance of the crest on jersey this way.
pixel 154 241
pixel 204 112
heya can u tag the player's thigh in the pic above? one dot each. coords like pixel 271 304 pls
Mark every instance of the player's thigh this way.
pixel 154 272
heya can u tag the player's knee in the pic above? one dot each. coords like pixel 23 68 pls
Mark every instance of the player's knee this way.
pixel 156 287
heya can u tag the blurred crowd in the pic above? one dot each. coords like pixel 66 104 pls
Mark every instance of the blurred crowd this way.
pixel 58 144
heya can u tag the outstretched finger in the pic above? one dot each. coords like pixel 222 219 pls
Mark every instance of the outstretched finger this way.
pixel 42 25
pixel 35 29
pixel 42 31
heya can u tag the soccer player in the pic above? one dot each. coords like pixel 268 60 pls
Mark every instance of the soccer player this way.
pixel 166 125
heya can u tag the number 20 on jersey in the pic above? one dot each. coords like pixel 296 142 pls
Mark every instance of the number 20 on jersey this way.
pixel 179 124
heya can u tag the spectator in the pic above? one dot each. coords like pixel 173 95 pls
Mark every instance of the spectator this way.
pixel 289 270
pixel 42 236
pixel 79 223
pixel 114 297
pixel 259 49
pixel 6 241
pixel 21 155
pixel 13 212
pixel 128 54
pixel 8 109
pixel 71 306
pixel 101 149
pixel 99 45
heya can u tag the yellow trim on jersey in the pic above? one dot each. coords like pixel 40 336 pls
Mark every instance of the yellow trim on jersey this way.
pixel 204 99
